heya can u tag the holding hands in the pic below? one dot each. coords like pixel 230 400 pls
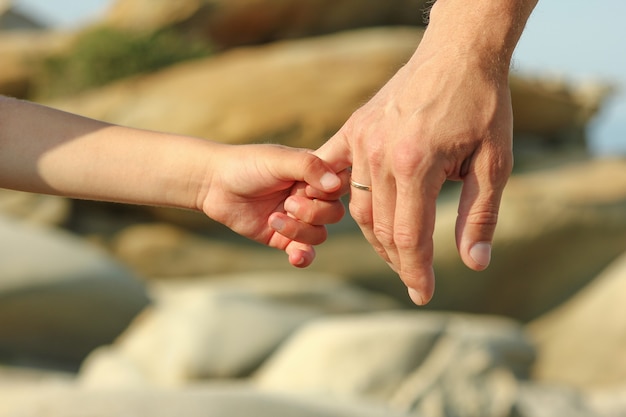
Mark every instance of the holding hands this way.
pixel 259 192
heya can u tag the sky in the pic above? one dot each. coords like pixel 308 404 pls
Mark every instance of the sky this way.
pixel 576 39
pixel 64 13
pixel 581 41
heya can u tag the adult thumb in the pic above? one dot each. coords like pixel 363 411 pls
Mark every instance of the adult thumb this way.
pixel 318 173
pixel 336 152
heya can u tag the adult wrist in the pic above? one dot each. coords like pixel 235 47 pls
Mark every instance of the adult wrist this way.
pixel 484 30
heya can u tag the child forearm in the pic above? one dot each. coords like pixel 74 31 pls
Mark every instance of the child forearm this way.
pixel 45 150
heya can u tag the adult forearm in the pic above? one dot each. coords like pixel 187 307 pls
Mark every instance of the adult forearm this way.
pixel 48 151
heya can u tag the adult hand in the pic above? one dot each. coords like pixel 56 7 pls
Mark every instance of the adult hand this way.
pixel 446 115
pixel 252 186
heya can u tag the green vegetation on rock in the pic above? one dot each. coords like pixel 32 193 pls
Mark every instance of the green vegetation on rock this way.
pixel 103 55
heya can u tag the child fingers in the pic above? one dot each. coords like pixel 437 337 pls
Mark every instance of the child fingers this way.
pixel 297 230
pixel 300 255
pixel 314 211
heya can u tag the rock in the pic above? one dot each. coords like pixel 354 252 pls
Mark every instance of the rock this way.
pixel 60 297
pixel 35 208
pixel 608 402
pixel 21 52
pixel 406 360
pixel 193 333
pixel 300 92
pixel 365 356
pixel 324 293
pixel 16 376
pixel 582 343
pixel 107 367
pixel 557 229
pixel 540 400
pixel 472 370
pixel 219 327
pixel 554 109
pixel 163 250
pixel 230 23
pixel 214 401
pixel 166 251
pixel 296 93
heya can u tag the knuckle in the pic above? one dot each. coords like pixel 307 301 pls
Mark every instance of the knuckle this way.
pixel 306 213
pixel 360 215
pixel 384 234
pixel 311 163
pixel 406 241
pixel 375 150
pixel 314 235
pixel 307 216
pixel 338 211
pixel 406 159
pixel 320 236
pixel 483 217
pixel 290 230
pixel 410 162
pixel 497 165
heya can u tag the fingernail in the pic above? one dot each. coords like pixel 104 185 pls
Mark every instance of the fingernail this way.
pixel 330 181
pixel 300 261
pixel 291 206
pixel 481 253
pixel 277 224
pixel 416 297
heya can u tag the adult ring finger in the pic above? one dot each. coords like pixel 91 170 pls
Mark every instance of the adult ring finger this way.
pixel 360 186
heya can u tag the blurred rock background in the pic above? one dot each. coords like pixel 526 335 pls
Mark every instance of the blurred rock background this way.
pixel 107 309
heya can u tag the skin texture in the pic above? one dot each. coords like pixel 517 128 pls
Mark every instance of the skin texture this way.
pixel 44 150
pixel 446 115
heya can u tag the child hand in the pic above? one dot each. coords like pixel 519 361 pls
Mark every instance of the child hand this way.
pixel 252 188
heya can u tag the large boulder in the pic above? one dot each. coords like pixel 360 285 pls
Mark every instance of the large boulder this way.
pixel 60 297
pixel 296 93
pixel 300 92
pixel 557 229
pixel 554 111
pixel 582 343
pixel 352 356
pixel 223 327
pixel 230 23
pixel 215 401
pixel 547 400
pixel 35 208
pixel 161 250
pixel 436 364
pixel 193 335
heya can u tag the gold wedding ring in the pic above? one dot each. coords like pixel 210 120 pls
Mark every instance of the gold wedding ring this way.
pixel 360 186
